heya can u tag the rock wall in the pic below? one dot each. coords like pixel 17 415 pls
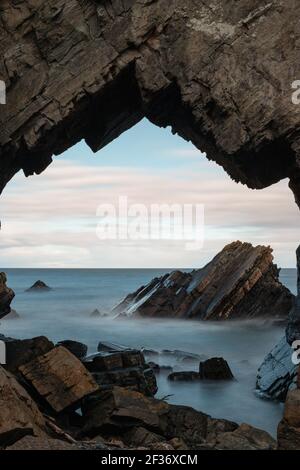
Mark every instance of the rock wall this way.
pixel 240 282
pixel 219 72
pixel 6 296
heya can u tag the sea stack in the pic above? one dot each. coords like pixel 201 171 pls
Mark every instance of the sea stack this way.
pixel 241 282
pixel 6 296
pixel 39 286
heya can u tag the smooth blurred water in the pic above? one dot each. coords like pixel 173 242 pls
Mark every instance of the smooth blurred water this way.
pixel 64 313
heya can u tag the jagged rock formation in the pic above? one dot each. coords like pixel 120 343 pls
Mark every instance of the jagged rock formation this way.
pixel 38 286
pixel 219 72
pixel 240 282
pixel 6 296
pixel 277 374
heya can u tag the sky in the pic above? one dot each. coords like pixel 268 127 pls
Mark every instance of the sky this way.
pixel 51 220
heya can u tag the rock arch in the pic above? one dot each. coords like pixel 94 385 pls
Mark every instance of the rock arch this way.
pixel 219 72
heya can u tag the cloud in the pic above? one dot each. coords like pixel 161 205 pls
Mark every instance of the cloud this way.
pixel 50 220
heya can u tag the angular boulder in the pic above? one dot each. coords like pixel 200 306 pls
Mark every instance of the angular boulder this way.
pixel 22 351
pixel 245 437
pixel 59 378
pixel 6 296
pixel 19 415
pixel 240 282
pixel 215 368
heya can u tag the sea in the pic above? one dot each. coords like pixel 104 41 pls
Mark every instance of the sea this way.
pixel 64 312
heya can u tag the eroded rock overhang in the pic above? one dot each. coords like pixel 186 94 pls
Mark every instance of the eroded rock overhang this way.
pixel 219 72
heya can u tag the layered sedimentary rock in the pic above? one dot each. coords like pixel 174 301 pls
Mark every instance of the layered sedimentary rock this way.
pixel 240 282
pixel 219 72
pixel 277 374
pixel 6 296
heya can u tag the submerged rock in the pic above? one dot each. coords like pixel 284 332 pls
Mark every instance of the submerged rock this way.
pixel 240 282
pixel 215 368
pixel 184 376
pixel 6 296
pixel 277 374
pixel 39 286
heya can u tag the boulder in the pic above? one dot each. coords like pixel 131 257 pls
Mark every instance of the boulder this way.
pixel 22 351
pixel 184 376
pixel 121 410
pixel 288 432
pixel 245 437
pixel 19 415
pixel 59 378
pixel 75 347
pixel 240 282
pixel 6 296
pixel 277 374
pixel 125 369
pixel 215 368
pixel 38 286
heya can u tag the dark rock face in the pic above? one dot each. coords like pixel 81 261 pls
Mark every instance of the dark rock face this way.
pixel 20 352
pixel 93 69
pixel 126 368
pixel 240 282
pixel 39 286
pixel 6 296
pixel 215 368
pixel 293 327
pixel 75 347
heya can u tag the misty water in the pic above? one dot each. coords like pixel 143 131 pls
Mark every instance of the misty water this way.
pixel 64 313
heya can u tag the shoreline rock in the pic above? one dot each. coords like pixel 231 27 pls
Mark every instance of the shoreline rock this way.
pixel 241 282
pixel 6 296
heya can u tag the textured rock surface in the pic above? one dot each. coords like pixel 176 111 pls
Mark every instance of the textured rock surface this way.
pixel 59 377
pixel 75 347
pixel 220 74
pixel 288 433
pixel 147 421
pixel 19 415
pixel 240 282
pixel 293 327
pixel 6 296
pixel 277 374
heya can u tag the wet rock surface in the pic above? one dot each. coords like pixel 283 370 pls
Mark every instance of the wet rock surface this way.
pixel 277 374
pixel 6 296
pixel 240 282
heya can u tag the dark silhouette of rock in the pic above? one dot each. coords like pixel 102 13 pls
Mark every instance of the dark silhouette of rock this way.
pixel 6 296
pixel 293 327
pixel 22 351
pixel 240 282
pixel 39 286
pixel 180 64
pixel 13 315
pixel 184 376
pixel 75 347
pixel 215 368
pixel 96 313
